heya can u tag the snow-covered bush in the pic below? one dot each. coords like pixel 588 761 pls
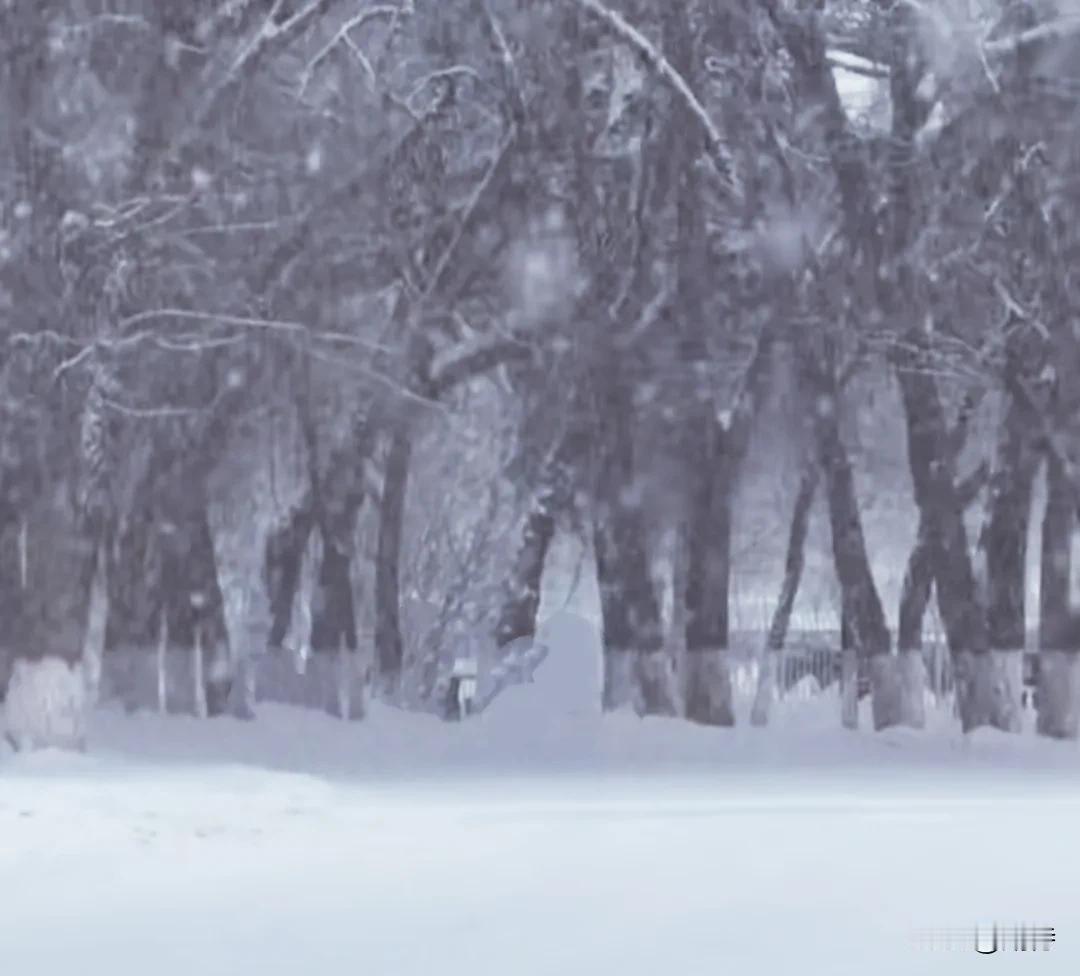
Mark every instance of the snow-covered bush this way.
pixel 46 705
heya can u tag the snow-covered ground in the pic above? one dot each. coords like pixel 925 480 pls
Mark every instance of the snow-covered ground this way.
pixel 538 838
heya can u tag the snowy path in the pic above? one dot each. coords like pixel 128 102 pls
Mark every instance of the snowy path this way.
pixel 150 857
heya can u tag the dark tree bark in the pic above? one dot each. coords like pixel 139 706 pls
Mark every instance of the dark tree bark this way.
pixel 796 556
pixel 861 605
pixel 709 553
pixel 339 495
pixel 862 617
pixel 1005 536
pixel 1058 678
pixel 517 617
pixel 333 625
pixel 164 564
pixel 389 647
pixel 283 562
pixel 941 556
pixel 193 603
pixel 789 589
pixel 942 536
pixel 45 577
pixel 633 640
pixel 637 670
pixel 45 597
pixel 163 561
pixel 989 684
pixel 1055 623
pixel 562 472
pixel 708 577
pixel 714 452
pixel 917 587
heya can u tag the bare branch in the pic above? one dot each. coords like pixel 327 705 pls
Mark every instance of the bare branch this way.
pixel 389 383
pixel 967 489
pixel 154 413
pixel 342 37
pixel 482 188
pixel 68 364
pixel 649 316
pixel 220 318
pixel 471 364
pixel 268 40
pixel 509 65
pixel 1058 29
pixel 1016 309
pixel 719 156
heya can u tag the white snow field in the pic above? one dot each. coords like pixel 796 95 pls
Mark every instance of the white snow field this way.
pixel 538 838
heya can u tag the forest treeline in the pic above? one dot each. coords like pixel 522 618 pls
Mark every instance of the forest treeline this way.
pixel 319 320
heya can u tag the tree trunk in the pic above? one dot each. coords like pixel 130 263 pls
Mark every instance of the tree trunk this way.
pixel 45 594
pixel 521 600
pixel 389 645
pixel 333 626
pixel 637 669
pixel 793 569
pixel 1005 542
pixel 164 563
pixel 1059 635
pixel 850 675
pixel 916 589
pixel 680 559
pixel 517 617
pixel 1056 560
pixel 331 506
pixel 195 606
pixel 941 555
pixel 989 685
pixel 47 607
pixel 708 578
pixel 860 603
pixel 283 561
pixel 97 617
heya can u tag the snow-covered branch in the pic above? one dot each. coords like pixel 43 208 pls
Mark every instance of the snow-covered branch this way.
pixel 719 156
pixel 219 318
pixel 872 48
pixel 1059 29
pixel 268 39
pixel 509 64
pixel 342 36
pixel 473 206
pixel 239 321
pixel 475 362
